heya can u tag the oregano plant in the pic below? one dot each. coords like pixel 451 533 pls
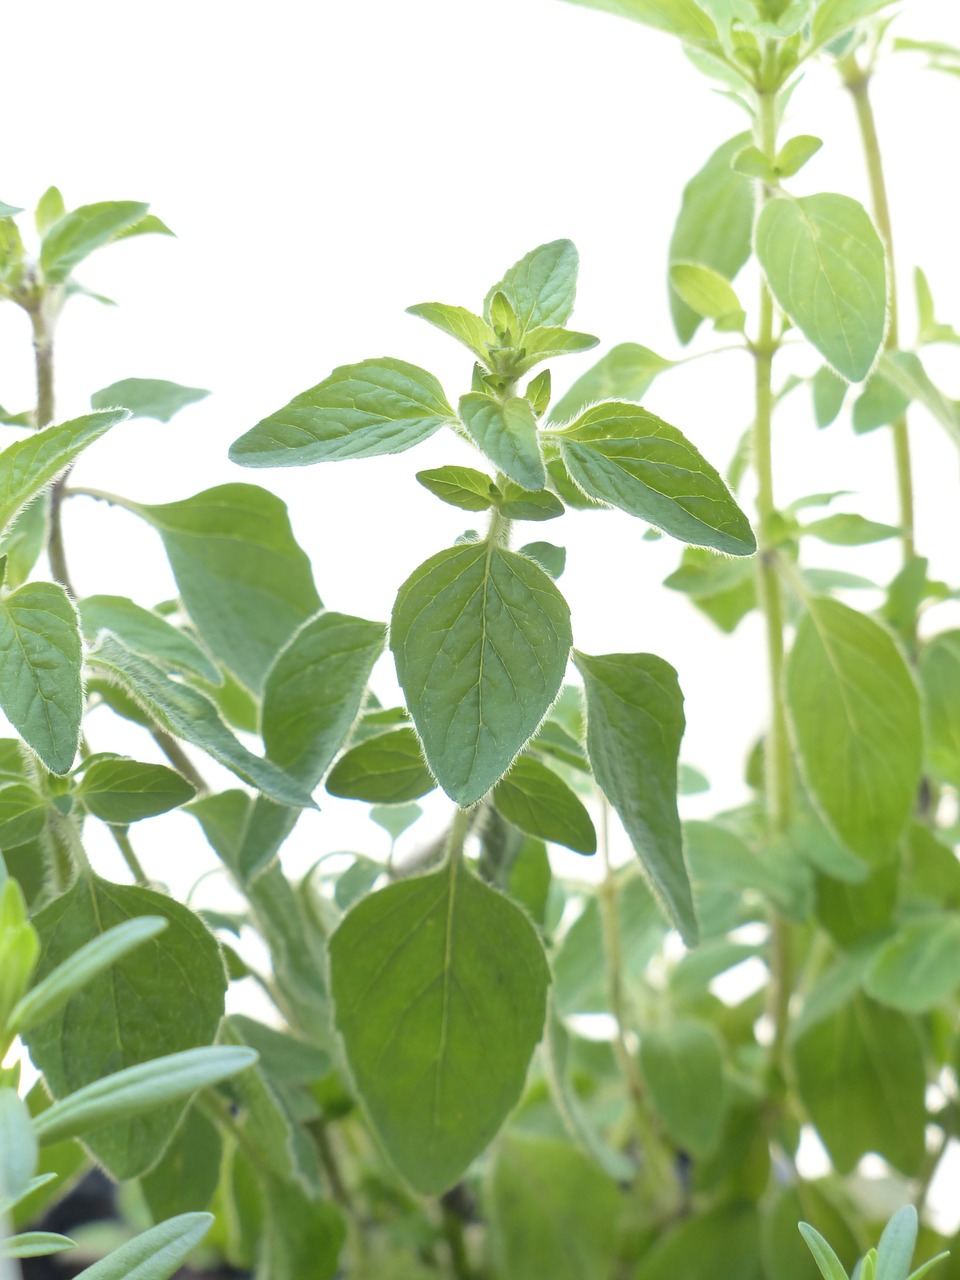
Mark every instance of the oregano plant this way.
pixel 462 1061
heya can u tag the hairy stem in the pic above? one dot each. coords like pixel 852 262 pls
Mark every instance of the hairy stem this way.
pixel 43 362
pixel 777 762
pixel 122 840
pixel 857 81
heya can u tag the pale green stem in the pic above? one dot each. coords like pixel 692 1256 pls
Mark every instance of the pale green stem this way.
pixel 128 853
pixel 778 766
pixel 43 358
pixel 857 80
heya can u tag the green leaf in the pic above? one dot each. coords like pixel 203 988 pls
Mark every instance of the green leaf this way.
pixel 903 370
pixel 25 540
pixel 829 390
pixel 715 223
pixel 34 1244
pixel 459 323
pixel 795 153
pixel 830 1265
pixel 723 589
pixel 704 290
pixel 861 1075
pixel 481 638
pixel 189 1170
pixel 360 411
pixel 542 286
pixel 459 486
pixel 634 725
pixel 552 559
pixel 147 397
pixel 833 17
pixel 50 209
pixel 683 1067
pixel 149 224
pixel 752 163
pixel 539 803
pixel 551 1210
pixel 624 373
pixel 74 237
pixel 164 996
pixel 433 972
pixel 23 814
pixel 395 819
pixel 785 1253
pixel 681 18
pixel 187 714
pixel 940 680
pixel 622 455
pixel 507 433
pixel 825 266
pixel 301 1236
pixel 314 691
pixel 897 1243
pixel 919 966
pixel 548 341
pixel 517 503
pixel 855 715
pixel 69 978
pixel 538 392
pixel 242 577
pixel 9 210
pixel 18 1147
pixel 148 634
pixel 123 791
pixel 40 660
pixel 878 404
pixel 28 466
pixel 387 769
pixel 154 1255
pixel 849 530
pixel 694 1248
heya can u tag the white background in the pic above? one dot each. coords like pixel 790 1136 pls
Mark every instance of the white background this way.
pixel 326 165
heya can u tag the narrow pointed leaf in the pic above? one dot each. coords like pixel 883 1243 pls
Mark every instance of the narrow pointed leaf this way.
pixel 507 433
pixel 683 18
pixel 360 411
pixel 855 714
pixel 481 638
pixel 824 262
pixel 829 1264
pixel 448 978
pixel 28 466
pixel 74 237
pixel 124 791
pixel 40 660
pixel 472 330
pixel 634 725
pixel 34 1244
pixel 187 714
pixel 154 1255
pixel 148 397
pixel 242 577
pixel 18 1147
pixel 622 455
pixel 897 1243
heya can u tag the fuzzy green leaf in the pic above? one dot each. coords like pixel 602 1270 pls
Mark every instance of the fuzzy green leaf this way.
pixel 242 578
pixel 154 1255
pixel 624 373
pixel 75 236
pixel 40 660
pixel 459 486
pixel 481 638
pixel 387 769
pixel 360 411
pixel 622 455
pixel 148 397
pixel 435 972
pixel 459 323
pixel 825 265
pixel 164 996
pixel 541 286
pixel 124 791
pixel 634 725
pixel 146 633
pixel 855 714
pixel 507 433
pixel 539 803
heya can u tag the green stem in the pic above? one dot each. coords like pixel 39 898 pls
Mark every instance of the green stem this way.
pixel 452 1228
pixel 43 361
pixel 122 840
pixel 857 81
pixel 777 761
pixel 459 830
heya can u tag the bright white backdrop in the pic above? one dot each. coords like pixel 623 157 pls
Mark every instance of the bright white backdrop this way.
pixel 324 166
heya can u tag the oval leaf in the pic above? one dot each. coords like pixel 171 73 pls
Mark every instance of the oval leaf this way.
pixel 538 802
pixel 40 660
pixel 507 433
pixel 542 286
pixel 634 725
pixel 624 373
pixel 622 455
pixel 825 265
pixel 360 411
pixel 855 714
pixel 75 236
pixel 448 979
pixel 148 397
pixel 919 966
pixel 481 638
pixel 683 1067
pixel 387 769
pixel 124 791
